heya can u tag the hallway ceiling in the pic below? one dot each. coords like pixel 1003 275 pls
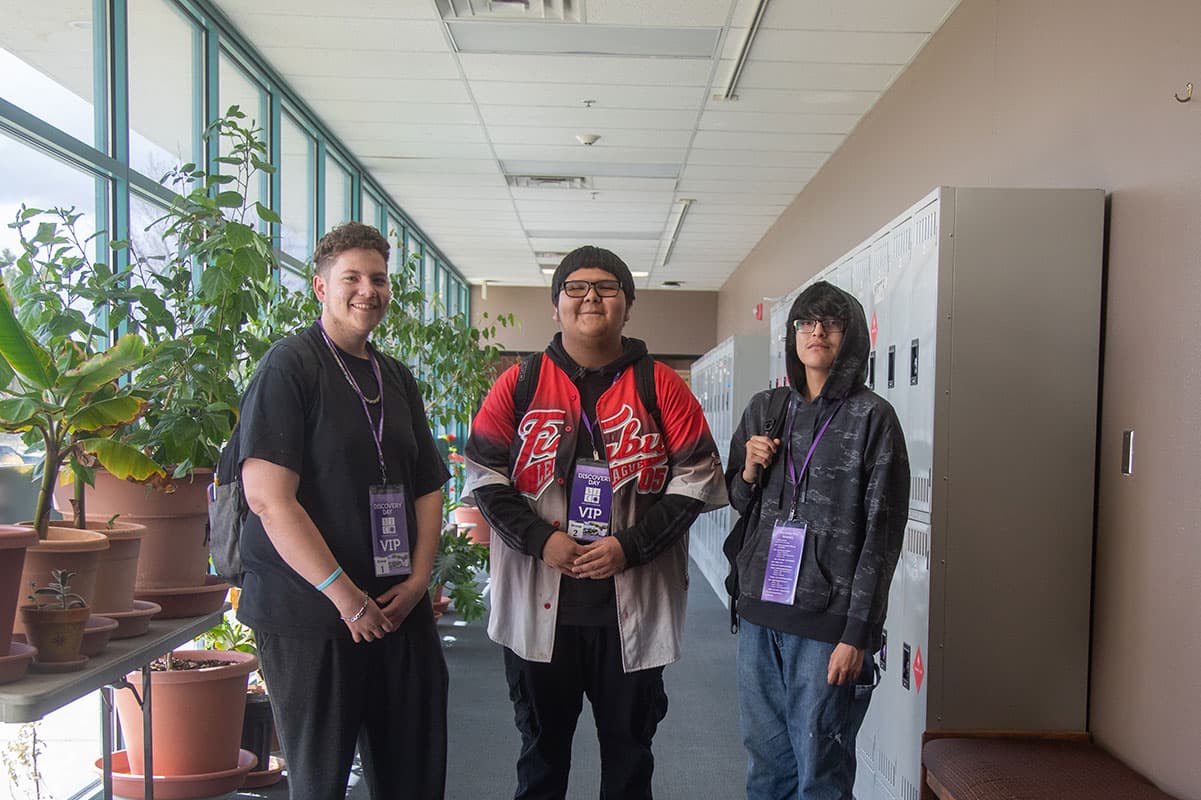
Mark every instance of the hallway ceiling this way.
pixel 474 116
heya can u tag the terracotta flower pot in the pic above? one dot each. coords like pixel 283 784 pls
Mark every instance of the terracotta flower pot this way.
pixel 13 541
pixel 64 548
pixel 480 531
pixel 118 569
pixel 196 715
pixel 57 633
pixel 174 551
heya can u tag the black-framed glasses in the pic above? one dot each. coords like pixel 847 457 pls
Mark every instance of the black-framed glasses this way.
pixel 829 325
pixel 581 288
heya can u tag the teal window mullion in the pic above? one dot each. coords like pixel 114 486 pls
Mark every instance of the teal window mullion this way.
pixel 356 195
pixel 274 201
pixel 102 23
pixel 322 188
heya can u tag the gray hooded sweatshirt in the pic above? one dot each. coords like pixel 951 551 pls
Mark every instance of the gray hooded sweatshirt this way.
pixel 853 500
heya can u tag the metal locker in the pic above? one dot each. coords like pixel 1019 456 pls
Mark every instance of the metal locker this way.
pixel 942 285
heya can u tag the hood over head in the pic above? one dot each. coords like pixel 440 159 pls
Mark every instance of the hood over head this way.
pixel 820 300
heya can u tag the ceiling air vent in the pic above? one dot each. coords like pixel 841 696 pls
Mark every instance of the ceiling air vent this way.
pixel 549 181
pixel 530 10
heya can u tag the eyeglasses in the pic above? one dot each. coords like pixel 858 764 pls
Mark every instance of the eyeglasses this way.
pixel 829 325
pixel 581 288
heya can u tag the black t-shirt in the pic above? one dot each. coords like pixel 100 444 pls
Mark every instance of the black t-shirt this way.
pixel 301 413
pixel 586 601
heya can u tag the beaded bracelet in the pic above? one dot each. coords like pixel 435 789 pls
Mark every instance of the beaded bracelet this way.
pixel 358 614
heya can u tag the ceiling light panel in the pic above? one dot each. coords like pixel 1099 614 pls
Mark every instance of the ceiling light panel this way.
pixel 731 173
pixel 756 158
pixel 370 9
pixel 382 165
pixel 375 147
pixel 598 156
pixel 571 39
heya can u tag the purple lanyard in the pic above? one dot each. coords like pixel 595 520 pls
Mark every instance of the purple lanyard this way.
pixel 792 470
pixel 377 430
pixel 588 423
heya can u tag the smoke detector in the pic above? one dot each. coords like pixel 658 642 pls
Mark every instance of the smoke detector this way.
pixel 587 139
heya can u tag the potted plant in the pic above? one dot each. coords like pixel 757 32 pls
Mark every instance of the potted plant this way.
pixel 258 722
pixel 55 620
pixel 196 300
pixel 64 383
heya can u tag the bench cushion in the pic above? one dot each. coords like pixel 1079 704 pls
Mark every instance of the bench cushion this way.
pixel 1033 769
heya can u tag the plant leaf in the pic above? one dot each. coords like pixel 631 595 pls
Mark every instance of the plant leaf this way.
pixel 108 413
pixel 105 367
pixel 19 349
pixel 122 460
pixel 16 414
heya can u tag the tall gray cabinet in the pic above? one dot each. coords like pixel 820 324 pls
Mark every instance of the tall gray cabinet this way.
pixel 985 311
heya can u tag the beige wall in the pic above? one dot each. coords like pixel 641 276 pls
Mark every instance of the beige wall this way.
pixel 1068 93
pixel 670 322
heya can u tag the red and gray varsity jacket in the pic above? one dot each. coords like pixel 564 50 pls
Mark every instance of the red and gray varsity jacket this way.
pixel 535 456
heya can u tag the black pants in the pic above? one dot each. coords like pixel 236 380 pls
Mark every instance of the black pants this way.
pixel 388 696
pixel 547 699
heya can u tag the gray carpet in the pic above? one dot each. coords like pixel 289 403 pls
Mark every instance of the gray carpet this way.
pixel 697 748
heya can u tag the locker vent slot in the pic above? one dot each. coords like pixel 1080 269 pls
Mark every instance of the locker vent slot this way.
pixel 927 226
pixel 888 771
pixel 901 245
pixel 917 543
pixel 919 490
pixel 909 791
pixel 892 365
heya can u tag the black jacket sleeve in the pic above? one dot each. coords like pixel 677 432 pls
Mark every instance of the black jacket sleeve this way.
pixel 659 528
pixel 511 517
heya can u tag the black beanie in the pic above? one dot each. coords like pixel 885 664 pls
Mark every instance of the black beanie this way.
pixel 595 258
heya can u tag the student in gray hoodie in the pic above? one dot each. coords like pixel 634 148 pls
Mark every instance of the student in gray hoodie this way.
pixel 815 566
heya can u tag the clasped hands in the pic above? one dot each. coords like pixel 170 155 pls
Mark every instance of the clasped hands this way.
pixel 597 560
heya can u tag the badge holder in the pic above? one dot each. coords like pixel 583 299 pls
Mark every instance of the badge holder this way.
pixel 390 531
pixel 591 501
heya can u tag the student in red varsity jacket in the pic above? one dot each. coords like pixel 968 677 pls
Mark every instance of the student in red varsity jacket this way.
pixel 591 499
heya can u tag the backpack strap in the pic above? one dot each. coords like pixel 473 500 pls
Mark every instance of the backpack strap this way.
pixel 644 380
pixel 527 383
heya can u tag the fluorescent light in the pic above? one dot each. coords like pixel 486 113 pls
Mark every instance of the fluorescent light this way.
pixel 731 92
pixel 686 203
pixel 571 169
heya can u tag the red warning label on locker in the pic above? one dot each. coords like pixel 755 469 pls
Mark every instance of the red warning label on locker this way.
pixel 875 329
pixel 919 669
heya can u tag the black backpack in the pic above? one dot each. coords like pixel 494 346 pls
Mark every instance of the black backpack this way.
pixel 773 426
pixel 531 365
pixel 227 513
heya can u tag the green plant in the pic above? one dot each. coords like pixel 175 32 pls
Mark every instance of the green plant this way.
pixel 64 389
pixel 454 362
pixel 59 592
pixel 229 634
pixel 215 279
pixel 456 565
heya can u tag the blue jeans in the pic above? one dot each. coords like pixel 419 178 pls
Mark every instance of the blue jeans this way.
pixel 799 732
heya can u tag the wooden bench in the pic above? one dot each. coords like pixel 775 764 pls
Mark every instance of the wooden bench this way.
pixel 1011 765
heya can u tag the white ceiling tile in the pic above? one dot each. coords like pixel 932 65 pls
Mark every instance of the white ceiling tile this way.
pixel 813 75
pixel 608 70
pixel 434 128
pixel 316 89
pixel 733 120
pixel 749 140
pixel 838 47
pixel 691 13
pixel 573 95
pixel 338 63
pixel 859 15
pixel 566 137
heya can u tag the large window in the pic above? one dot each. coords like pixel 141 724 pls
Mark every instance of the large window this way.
pixel 41 181
pixel 165 112
pixel 370 210
pixel 47 66
pixel 236 88
pixel 298 157
pixel 338 187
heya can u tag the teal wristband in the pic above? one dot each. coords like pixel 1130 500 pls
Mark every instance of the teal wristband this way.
pixel 333 576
